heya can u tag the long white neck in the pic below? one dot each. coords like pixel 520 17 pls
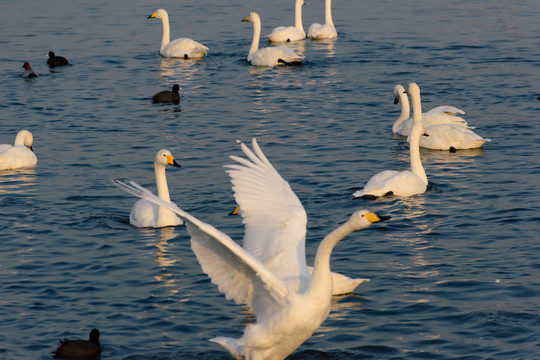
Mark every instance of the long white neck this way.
pixel 328 12
pixel 298 15
pixel 321 277
pixel 166 31
pixel 417 131
pixel 405 111
pixel 162 189
pixel 256 20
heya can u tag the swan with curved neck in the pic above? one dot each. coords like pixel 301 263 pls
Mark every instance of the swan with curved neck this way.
pixel 446 130
pixel 182 47
pixel 402 183
pixel 271 278
pixel 270 56
pixel 147 214
pixel 327 30
pixel 290 33
pixel 19 155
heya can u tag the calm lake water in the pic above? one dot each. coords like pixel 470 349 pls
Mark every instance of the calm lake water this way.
pixel 454 274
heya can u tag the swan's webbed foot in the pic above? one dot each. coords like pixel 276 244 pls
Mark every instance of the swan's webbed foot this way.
pixel 186 56
pixel 388 194
pixel 452 149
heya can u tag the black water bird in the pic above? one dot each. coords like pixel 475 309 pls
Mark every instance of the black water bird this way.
pixel 167 96
pixel 54 60
pixel 80 349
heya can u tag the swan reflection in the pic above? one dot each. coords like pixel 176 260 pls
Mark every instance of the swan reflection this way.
pixel 18 181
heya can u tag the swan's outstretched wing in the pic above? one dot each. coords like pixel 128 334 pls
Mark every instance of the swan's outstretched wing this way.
pixel 235 271
pixel 274 218
pixel 446 109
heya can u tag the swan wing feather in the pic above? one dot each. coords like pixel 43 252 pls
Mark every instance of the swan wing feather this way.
pixel 274 217
pixel 233 269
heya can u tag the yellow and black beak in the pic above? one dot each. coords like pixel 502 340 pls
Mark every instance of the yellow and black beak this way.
pixel 246 19
pixel 31 148
pixel 235 211
pixel 152 16
pixel 171 161
pixel 373 218
pixel 396 100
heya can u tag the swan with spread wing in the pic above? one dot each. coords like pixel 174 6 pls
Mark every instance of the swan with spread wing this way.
pixel 269 272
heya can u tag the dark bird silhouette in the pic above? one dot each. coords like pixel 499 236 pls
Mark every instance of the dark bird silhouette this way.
pixel 168 96
pixel 80 349
pixel 54 60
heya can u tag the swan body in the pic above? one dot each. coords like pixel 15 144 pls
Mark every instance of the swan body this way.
pixel 28 72
pixel 290 33
pixel 145 213
pixel 446 130
pixel 444 114
pixel 269 272
pixel 270 56
pixel 324 31
pixel 451 137
pixel 402 183
pixel 180 48
pixel 19 155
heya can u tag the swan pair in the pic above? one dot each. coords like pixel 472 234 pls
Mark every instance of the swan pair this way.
pixel 144 213
pixel 446 130
pixel 316 31
pixel 402 183
pixel 180 48
pixel 269 272
pixel 19 155
pixel 270 56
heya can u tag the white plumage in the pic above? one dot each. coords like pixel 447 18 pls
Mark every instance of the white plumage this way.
pixel 269 272
pixel 402 183
pixel 324 31
pixel 290 33
pixel 145 213
pixel 19 155
pixel 270 56
pixel 446 130
pixel 182 47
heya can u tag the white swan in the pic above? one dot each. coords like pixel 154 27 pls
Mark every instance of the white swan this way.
pixel 182 47
pixel 290 33
pixel 268 275
pixel 147 214
pixel 270 56
pixel 402 183
pixel 444 114
pixel 19 155
pixel 446 130
pixel 325 31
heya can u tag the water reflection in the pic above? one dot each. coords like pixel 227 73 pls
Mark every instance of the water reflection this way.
pixel 165 261
pixel 325 44
pixel 184 69
pixel 18 181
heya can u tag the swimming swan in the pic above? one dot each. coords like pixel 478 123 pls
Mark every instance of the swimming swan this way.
pixel 144 213
pixel 444 114
pixel 272 278
pixel 19 155
pixel 182 47
pixel 402 183
pixel 325 31
pixel 270 56
pixel 290 33
pixel 446 130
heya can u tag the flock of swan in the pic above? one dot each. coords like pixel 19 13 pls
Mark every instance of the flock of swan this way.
pixel 269 272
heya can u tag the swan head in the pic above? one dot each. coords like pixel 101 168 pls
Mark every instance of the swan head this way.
pixel 363 218
pixel 413 89
pixel 25 137
pixel 300 2
pixel 398 91
pixel 252 17
pixel 159 14
pixel 164 157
